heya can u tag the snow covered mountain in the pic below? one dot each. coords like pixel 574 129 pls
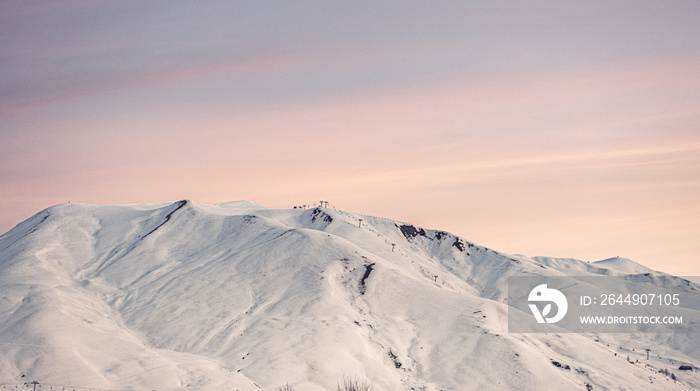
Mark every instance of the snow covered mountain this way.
pixel 236 296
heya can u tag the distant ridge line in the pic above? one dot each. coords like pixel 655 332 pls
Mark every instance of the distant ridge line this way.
pixel 374 217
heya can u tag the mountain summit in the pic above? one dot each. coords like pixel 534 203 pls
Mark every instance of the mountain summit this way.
pixel 236 296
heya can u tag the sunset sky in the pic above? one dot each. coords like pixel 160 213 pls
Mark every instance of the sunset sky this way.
pixel 568 129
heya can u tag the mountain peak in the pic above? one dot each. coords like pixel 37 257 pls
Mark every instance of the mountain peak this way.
pixel 623 266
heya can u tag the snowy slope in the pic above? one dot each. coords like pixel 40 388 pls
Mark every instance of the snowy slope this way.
pixel 237 296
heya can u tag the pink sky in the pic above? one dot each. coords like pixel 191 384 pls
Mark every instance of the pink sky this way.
pixel 559 130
